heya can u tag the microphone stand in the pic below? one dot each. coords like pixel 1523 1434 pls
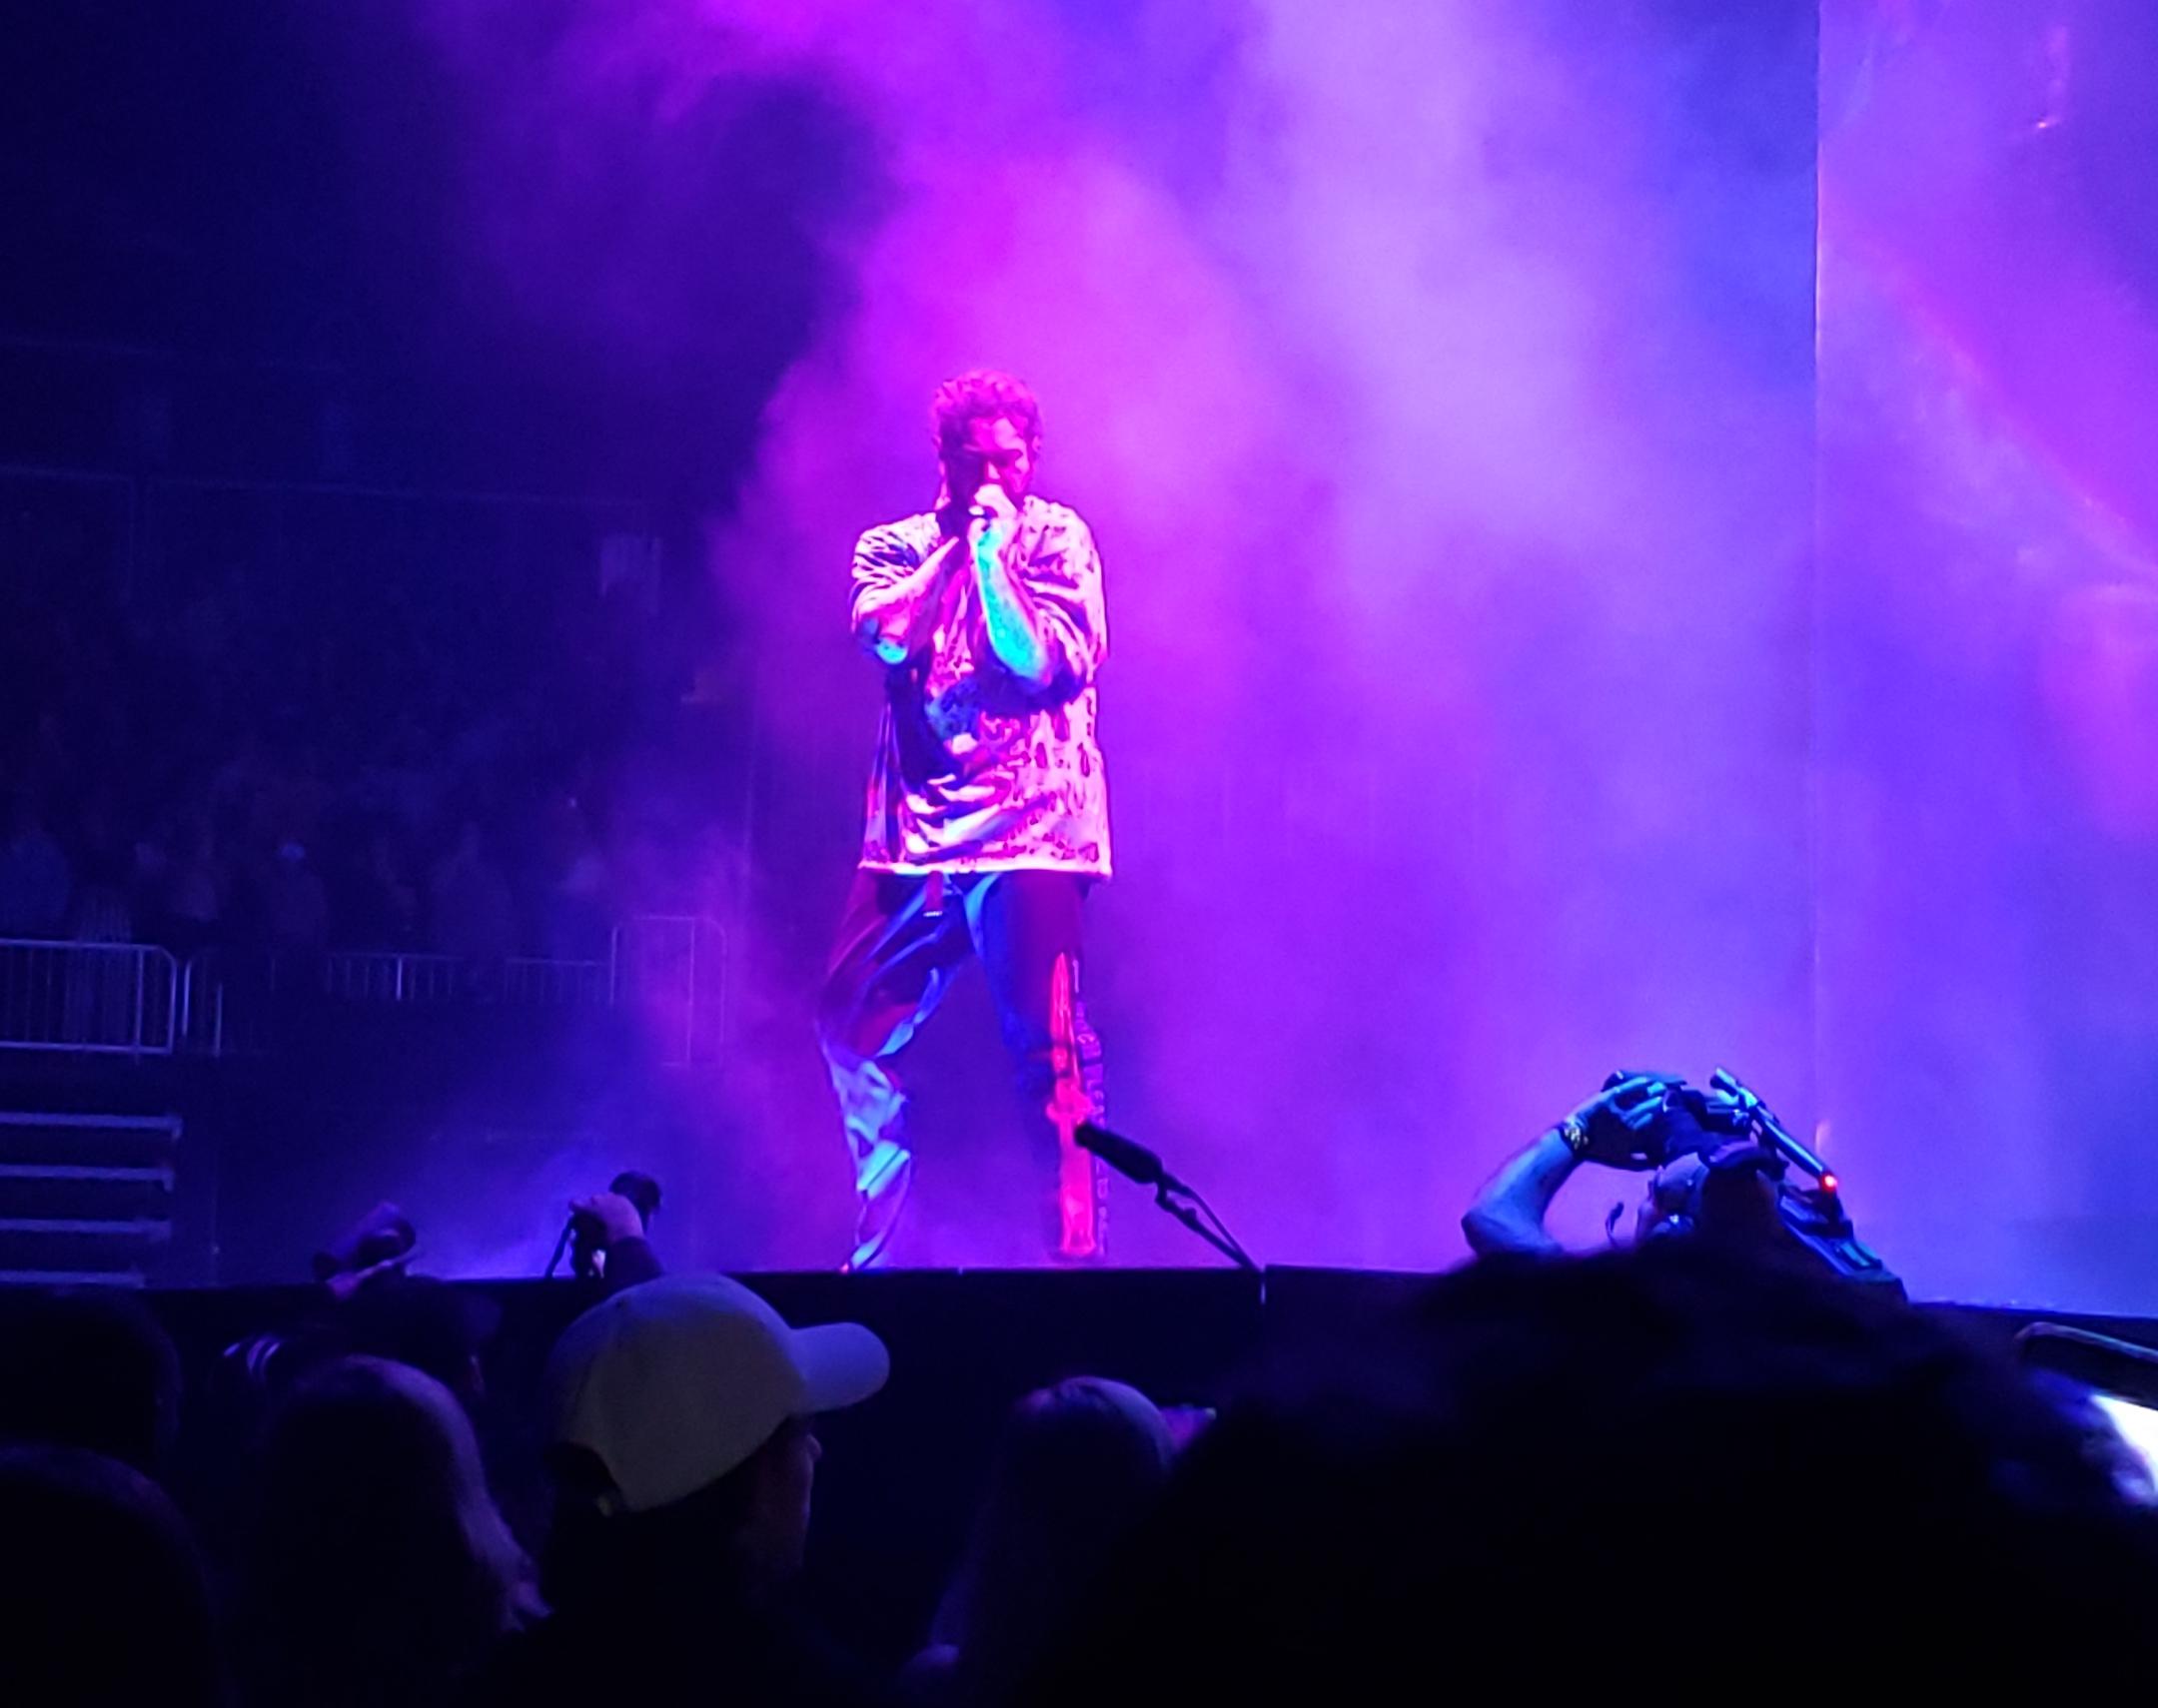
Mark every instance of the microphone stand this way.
pixel 561 1245
pixel 1143 1168
pixel 1186 1205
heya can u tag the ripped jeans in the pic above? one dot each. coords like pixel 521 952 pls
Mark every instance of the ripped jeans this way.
pixel 901 940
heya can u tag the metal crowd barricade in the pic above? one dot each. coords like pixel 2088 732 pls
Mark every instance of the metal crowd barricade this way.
pixel 228 998
pixel 671 970
pixel 393 976
pixel 113 998
pixel 535 983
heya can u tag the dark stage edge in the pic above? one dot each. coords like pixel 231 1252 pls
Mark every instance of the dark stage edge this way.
pixel 900 1475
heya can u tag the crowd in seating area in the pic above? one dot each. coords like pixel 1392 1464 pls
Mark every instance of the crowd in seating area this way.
pixel 1664 1469
pixel 215 769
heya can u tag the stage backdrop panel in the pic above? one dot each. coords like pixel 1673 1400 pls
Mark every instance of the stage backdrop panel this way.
pixel 1987 650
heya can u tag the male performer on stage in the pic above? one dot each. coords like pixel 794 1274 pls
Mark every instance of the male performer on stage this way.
pixel 988 811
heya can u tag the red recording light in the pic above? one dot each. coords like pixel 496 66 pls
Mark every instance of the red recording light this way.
pixel 1829 1183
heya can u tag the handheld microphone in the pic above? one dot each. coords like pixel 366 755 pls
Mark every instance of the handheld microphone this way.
pixel 1128 1157
pixel 980 517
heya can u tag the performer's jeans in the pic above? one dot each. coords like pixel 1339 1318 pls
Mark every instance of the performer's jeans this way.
pixel 901 941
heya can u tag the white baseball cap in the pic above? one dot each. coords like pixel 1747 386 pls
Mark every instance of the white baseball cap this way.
pixel 675 1382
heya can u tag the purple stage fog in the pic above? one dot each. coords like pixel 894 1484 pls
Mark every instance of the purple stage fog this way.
pixel 1437 383
pixel 1627 532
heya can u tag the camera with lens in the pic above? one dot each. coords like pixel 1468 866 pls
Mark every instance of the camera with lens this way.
pixel 1733 1131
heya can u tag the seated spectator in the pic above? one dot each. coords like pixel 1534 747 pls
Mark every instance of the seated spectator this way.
pixel 1079 1466
pixel 1661 1463
pixel 472 913
pixel 91 1371
pixel 35 881
pixel 576 909
pixel 100 911
pixel 195 886
pixel 378 903
pixel 295 907
pixel 682 1419
pixel 105 1596
pixel 381 1571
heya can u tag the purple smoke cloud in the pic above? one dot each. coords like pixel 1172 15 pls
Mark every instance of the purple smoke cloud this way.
pixel 1436 380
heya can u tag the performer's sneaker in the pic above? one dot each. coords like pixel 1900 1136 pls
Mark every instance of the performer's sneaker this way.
pixel 880 1181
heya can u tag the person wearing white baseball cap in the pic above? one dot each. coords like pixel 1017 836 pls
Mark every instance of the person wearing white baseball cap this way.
pixel 677 1382
pixel 680 1414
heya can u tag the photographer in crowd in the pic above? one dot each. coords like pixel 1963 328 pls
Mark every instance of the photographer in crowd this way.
pixel 1722 1168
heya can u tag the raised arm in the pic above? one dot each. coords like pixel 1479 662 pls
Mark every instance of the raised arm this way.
pixel 1617 1128
pixel 1508 1213
pixel 1046 621
pixel 895 591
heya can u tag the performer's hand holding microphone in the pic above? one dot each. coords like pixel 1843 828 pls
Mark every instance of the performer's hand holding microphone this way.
pixel 992 520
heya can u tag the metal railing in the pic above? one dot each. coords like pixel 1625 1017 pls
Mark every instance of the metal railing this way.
pixel 526 980
pixel 115 999
pixel 388 976
pixel 534 983
pixel 227 999
pixel 134 998
pixel 671 970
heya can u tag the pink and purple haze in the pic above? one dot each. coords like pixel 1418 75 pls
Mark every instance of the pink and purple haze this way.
pixel 1440 381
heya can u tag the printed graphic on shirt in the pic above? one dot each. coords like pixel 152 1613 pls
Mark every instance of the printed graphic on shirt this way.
pixel 976 769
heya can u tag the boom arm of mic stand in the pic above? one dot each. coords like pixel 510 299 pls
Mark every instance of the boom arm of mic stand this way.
pixel 1169 1195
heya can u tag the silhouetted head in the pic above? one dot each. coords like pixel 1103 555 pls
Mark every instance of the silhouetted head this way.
pixel 88 1370
pixel 1720 1188
pixel 380 1563
pixel 683 1446
pixel 1079 1466
pixel 105 1595
pixel 1558 1468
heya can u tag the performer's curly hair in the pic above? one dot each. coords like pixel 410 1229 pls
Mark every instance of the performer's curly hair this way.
pixel 984 392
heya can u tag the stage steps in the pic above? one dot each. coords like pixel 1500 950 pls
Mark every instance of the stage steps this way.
pixel 86 1198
